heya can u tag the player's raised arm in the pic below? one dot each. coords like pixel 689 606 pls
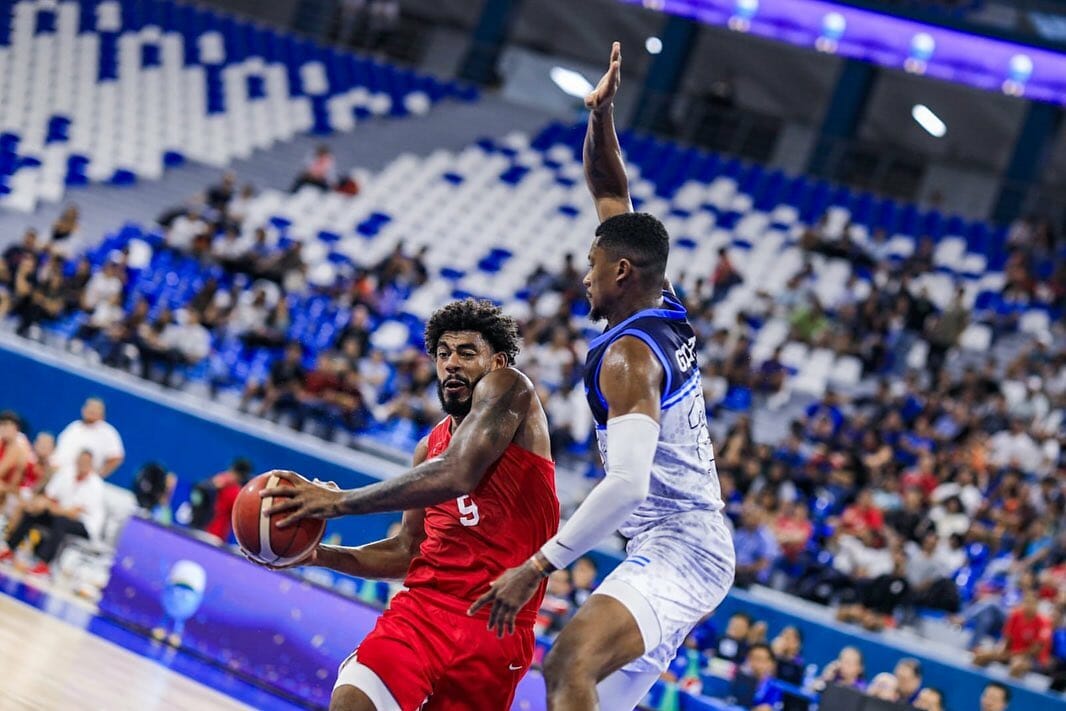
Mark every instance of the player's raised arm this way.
pixel 631 383
pixel 605 172
pixel 500 402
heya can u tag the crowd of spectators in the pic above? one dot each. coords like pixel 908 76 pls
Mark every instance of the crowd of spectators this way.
pixel 55 485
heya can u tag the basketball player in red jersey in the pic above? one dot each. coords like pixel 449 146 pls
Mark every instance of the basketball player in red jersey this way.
pixel 479 500
pixel 18 463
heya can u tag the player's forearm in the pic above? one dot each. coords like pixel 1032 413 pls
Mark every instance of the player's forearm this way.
pixel 381 560
pixel 605 172
pixel 430 483
pixel 630 454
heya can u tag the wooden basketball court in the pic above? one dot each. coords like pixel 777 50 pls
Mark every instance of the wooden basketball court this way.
pixel 48 664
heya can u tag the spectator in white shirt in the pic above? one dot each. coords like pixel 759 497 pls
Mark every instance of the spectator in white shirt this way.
pixel 238 207
pixel 189 338
pixel 92 432
pixel 1014 447
pixel 251 312
pixel 72 505
pixel 184 229
pixel 104 285
pixel 231 250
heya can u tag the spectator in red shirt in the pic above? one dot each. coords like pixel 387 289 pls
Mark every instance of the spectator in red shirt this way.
pixel 793 530
pixel 923 475
pixel 318 387
pixel 725 276
pixel 226 485
pixel 863 515
pixel 1026 639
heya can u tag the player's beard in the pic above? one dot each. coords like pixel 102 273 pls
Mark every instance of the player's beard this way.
pixel 453 406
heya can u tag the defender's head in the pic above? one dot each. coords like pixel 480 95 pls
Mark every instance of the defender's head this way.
pixel 467 340
pixel 628 256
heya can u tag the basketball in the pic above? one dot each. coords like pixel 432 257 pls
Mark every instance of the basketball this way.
pixel 259 537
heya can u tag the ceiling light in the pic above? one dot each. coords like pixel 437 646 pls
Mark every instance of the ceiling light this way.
pixel 570 81
pixel 929 121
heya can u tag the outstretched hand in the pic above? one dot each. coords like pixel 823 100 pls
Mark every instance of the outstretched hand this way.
pixel 603 95
pixel 507 595
pixel 304 499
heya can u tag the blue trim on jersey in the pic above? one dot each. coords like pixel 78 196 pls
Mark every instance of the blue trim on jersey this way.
pixel 596 386
pixel 658 351
pixel 672 314
pixel 693 383
pixel 673 301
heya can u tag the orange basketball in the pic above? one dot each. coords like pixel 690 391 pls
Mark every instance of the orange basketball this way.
pixel 259 536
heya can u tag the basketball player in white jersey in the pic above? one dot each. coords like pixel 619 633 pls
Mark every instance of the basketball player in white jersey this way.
pixel 661 490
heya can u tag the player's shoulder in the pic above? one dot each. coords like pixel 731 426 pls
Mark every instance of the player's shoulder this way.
pixel 629 354
pixel 507 380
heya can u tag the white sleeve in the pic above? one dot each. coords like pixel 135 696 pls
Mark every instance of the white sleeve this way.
pixel 114 445
pixel 631 442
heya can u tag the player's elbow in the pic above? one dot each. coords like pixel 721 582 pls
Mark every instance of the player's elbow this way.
pixel 460 477
pixel 633 494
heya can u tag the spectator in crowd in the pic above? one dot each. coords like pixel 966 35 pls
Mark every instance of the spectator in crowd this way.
pixel 756 548
pixel 995 697
pixel 39 294
pixel 72 505
pixel 908 674
pixel 884 686
pixel 93 433
pixel 319 171
pixel 943 331
pixel 212 500
pixel 733 645
pixel 28 247
pixel 44 447
pixel 929 575
pixel 220 195
pixel 847 670
pixel 879 596
pixel 787 647
pixel 176 345
pixel 1026 639
pixel 64 231
pixel 930 699
pixel 583 580
pixel 153 487
pixel 237 209
pixel 104 285
pixel 557 607
pixel 281 389
pixel 761 664
pixel 725 276
pixel 106 316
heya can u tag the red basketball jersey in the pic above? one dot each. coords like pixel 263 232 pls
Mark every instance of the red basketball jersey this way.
pixel 30 475
pixel 471 540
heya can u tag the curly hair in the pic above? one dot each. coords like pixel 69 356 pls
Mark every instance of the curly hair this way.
pixel 499 330
pixel 640 238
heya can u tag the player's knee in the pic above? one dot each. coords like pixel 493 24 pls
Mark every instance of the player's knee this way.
pixel 349 698
pixel 565 665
